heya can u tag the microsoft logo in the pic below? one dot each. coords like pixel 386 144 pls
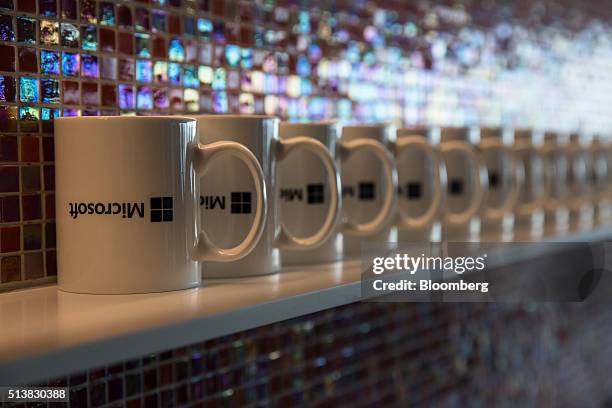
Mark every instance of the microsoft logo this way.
pixel 161 209
pixel 367 190
pixel 315 193
pixel 241 202
pixel 414 190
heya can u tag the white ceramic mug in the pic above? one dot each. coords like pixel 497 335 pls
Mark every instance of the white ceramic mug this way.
pixel 529 211
pixel 506 176
pixel 369 184
pixel 260 134
pixel 422 187
pixel 127 193
pixel 600 179
pixel 578 184
pixel 304 172
pixel 467 185
pixel 555 184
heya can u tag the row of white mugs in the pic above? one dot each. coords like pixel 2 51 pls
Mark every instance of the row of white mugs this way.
pixel 149 204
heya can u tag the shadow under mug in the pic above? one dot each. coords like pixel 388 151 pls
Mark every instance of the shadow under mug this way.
pixel 260 134
pixel 127 193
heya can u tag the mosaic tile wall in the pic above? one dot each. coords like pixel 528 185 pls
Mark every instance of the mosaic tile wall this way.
pixel 377 355
pixel 520 63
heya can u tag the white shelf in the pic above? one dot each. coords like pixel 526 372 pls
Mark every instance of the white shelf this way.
pixel 47 333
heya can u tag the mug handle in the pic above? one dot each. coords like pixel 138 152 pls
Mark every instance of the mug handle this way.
pixel 517 178
pixel 481 180
pixel 348 148
pixel 439 176
pixel 549 178
pixel 204 155
pixel 538 202
pixel 285 239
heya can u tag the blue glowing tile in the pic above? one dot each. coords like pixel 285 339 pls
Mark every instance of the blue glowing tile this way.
pixel 246 58
pixel 49 114
pixel 70 64
pixel 50 90
pixel 89 66
pixel 89 37
pixel 143 45
pixel 190 77
pixel 232 55
pixel 126 96
pixel 160 21
pixel 144 98
pixel 7 33
pixel 219 82
pixel 303 66
pixel 107 13
pixel 144 71
pixel 189 26
pixel 28 118
pixel 220 102
pixel 49 62
pixel 28 90
pixel 205 28
pixel 176 50
pixel 174 73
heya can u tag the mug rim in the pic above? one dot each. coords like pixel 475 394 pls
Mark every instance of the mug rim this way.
pixel 180 119
pixel 322 123
pixel 231 116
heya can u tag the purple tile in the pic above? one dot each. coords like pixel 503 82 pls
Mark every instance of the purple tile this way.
pixel 51 263
pixel 30 151
pixel 9 179
pixel 30 207
pixel 47 8
pixel 48 149
pixel 8 149
pixel 10 239
pixel 49 176
pixel 7 88
pixel 7 58
pixel 27 60
pixel 9 209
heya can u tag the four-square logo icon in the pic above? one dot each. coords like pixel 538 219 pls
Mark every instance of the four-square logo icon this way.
pixel 241 202
pixel 455 187
pixel 315 193
pixel 414 190
pixel 493 179
pixel 367 191
pixel 161 209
